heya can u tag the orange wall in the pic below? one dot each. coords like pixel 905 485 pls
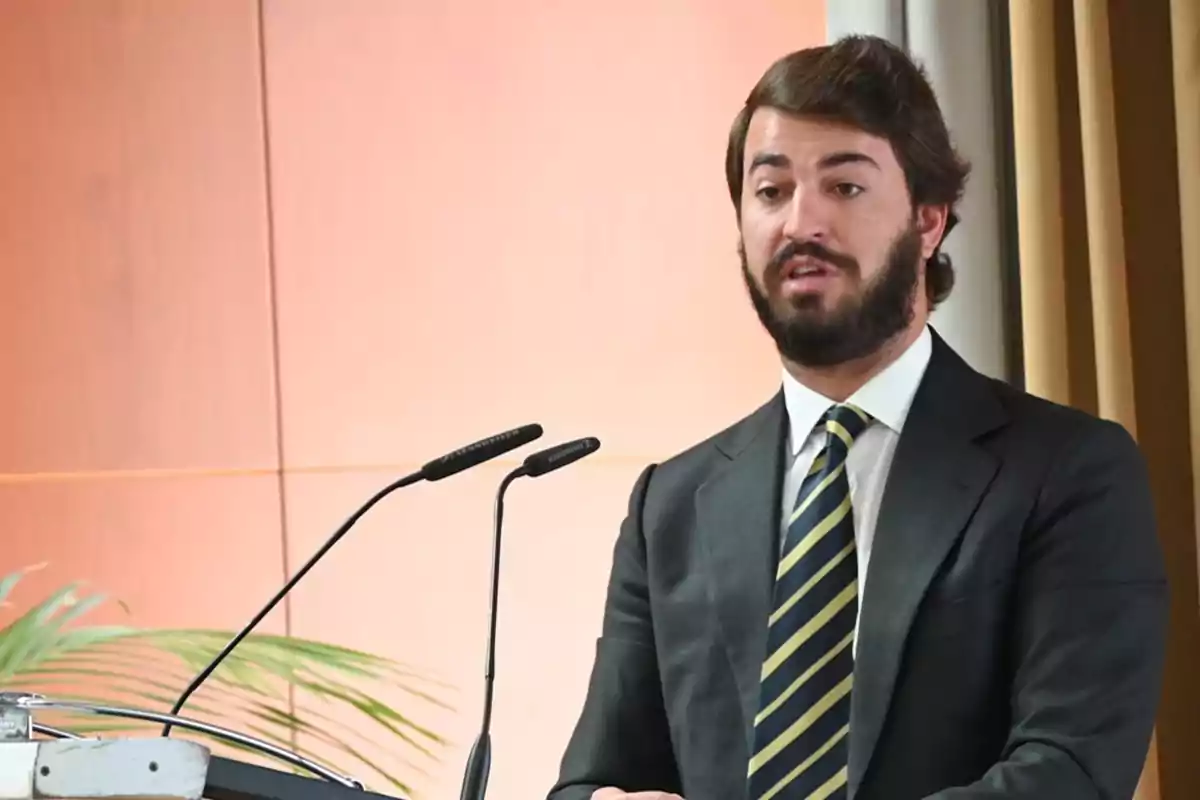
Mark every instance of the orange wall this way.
pixel 418 226
pixel 135 316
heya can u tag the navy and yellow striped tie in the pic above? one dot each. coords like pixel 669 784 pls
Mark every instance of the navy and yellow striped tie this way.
pixel 802 727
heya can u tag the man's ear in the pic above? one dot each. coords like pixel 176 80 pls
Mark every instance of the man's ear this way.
pixel 933 223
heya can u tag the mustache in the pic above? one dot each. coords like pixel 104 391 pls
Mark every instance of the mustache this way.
pixel 814 250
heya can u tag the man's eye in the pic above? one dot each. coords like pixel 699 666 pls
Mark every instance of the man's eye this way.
pixel 768 193
pixel 847 190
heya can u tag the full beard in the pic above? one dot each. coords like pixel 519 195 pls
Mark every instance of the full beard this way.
pixel 859 325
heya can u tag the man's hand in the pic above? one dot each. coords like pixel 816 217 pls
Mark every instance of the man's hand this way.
pixel 612 793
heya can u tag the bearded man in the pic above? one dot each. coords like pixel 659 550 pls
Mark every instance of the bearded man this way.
pixel 898 578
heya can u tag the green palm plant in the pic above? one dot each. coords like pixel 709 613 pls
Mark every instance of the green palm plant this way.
pixel 310 697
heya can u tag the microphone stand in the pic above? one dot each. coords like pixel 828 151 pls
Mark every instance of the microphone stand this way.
pixel 479 762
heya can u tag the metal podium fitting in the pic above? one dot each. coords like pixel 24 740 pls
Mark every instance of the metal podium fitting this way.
pixel 74 767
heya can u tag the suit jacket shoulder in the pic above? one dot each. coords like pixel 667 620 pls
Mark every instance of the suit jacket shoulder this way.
pixel 678 477
pixel 1058 445
pixel 1055 421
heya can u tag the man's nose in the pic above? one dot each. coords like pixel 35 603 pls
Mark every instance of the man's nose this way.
pixel 807 216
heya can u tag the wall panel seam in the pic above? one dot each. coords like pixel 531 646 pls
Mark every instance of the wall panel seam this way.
pixel 273 293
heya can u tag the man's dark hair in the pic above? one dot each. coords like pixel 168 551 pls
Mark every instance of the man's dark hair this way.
pixel 872 85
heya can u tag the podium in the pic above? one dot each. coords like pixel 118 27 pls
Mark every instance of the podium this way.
pixel 66 766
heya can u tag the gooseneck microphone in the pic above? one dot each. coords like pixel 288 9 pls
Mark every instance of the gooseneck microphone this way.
pixel 437 469
pixel 479 762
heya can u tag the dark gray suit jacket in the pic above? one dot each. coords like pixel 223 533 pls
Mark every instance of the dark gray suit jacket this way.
pixel 1012 632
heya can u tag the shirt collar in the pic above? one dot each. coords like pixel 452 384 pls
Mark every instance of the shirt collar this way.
pixel 887 396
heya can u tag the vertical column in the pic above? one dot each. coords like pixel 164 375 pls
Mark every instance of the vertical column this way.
pixel 875 17
pixel 1039 198
pixel 1106 247
pixel 1102 192
pixel 1143 74
pixel 1185 49
pixel 954 41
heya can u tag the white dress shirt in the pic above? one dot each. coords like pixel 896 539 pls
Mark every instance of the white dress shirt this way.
pixel 887 397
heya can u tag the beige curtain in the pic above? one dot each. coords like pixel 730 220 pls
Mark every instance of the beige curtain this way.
pixel 1106 117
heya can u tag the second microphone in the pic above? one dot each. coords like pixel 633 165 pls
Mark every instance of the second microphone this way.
pixel 479 763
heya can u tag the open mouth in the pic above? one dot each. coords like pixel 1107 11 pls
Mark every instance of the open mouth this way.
pixel 806 268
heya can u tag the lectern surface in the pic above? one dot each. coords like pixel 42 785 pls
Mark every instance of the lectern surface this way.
pixel 236 780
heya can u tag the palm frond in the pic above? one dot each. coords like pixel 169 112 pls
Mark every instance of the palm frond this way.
pixel 271 686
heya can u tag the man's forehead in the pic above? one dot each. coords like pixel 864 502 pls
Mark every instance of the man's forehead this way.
pixel 777 138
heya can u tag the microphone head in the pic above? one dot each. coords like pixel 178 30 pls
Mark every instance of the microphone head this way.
pixel 478 452
pixel 553 458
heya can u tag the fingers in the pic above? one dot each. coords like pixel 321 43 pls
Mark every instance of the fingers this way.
pixel 612 793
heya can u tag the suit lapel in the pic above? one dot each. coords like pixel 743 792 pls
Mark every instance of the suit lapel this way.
pixel 737 517
pixel 937 479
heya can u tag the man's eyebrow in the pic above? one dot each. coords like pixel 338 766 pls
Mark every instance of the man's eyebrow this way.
pixel 769 160
pixel 847 157
pixel 827 162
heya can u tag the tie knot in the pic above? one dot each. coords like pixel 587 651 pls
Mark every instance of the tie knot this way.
pixel 845 422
